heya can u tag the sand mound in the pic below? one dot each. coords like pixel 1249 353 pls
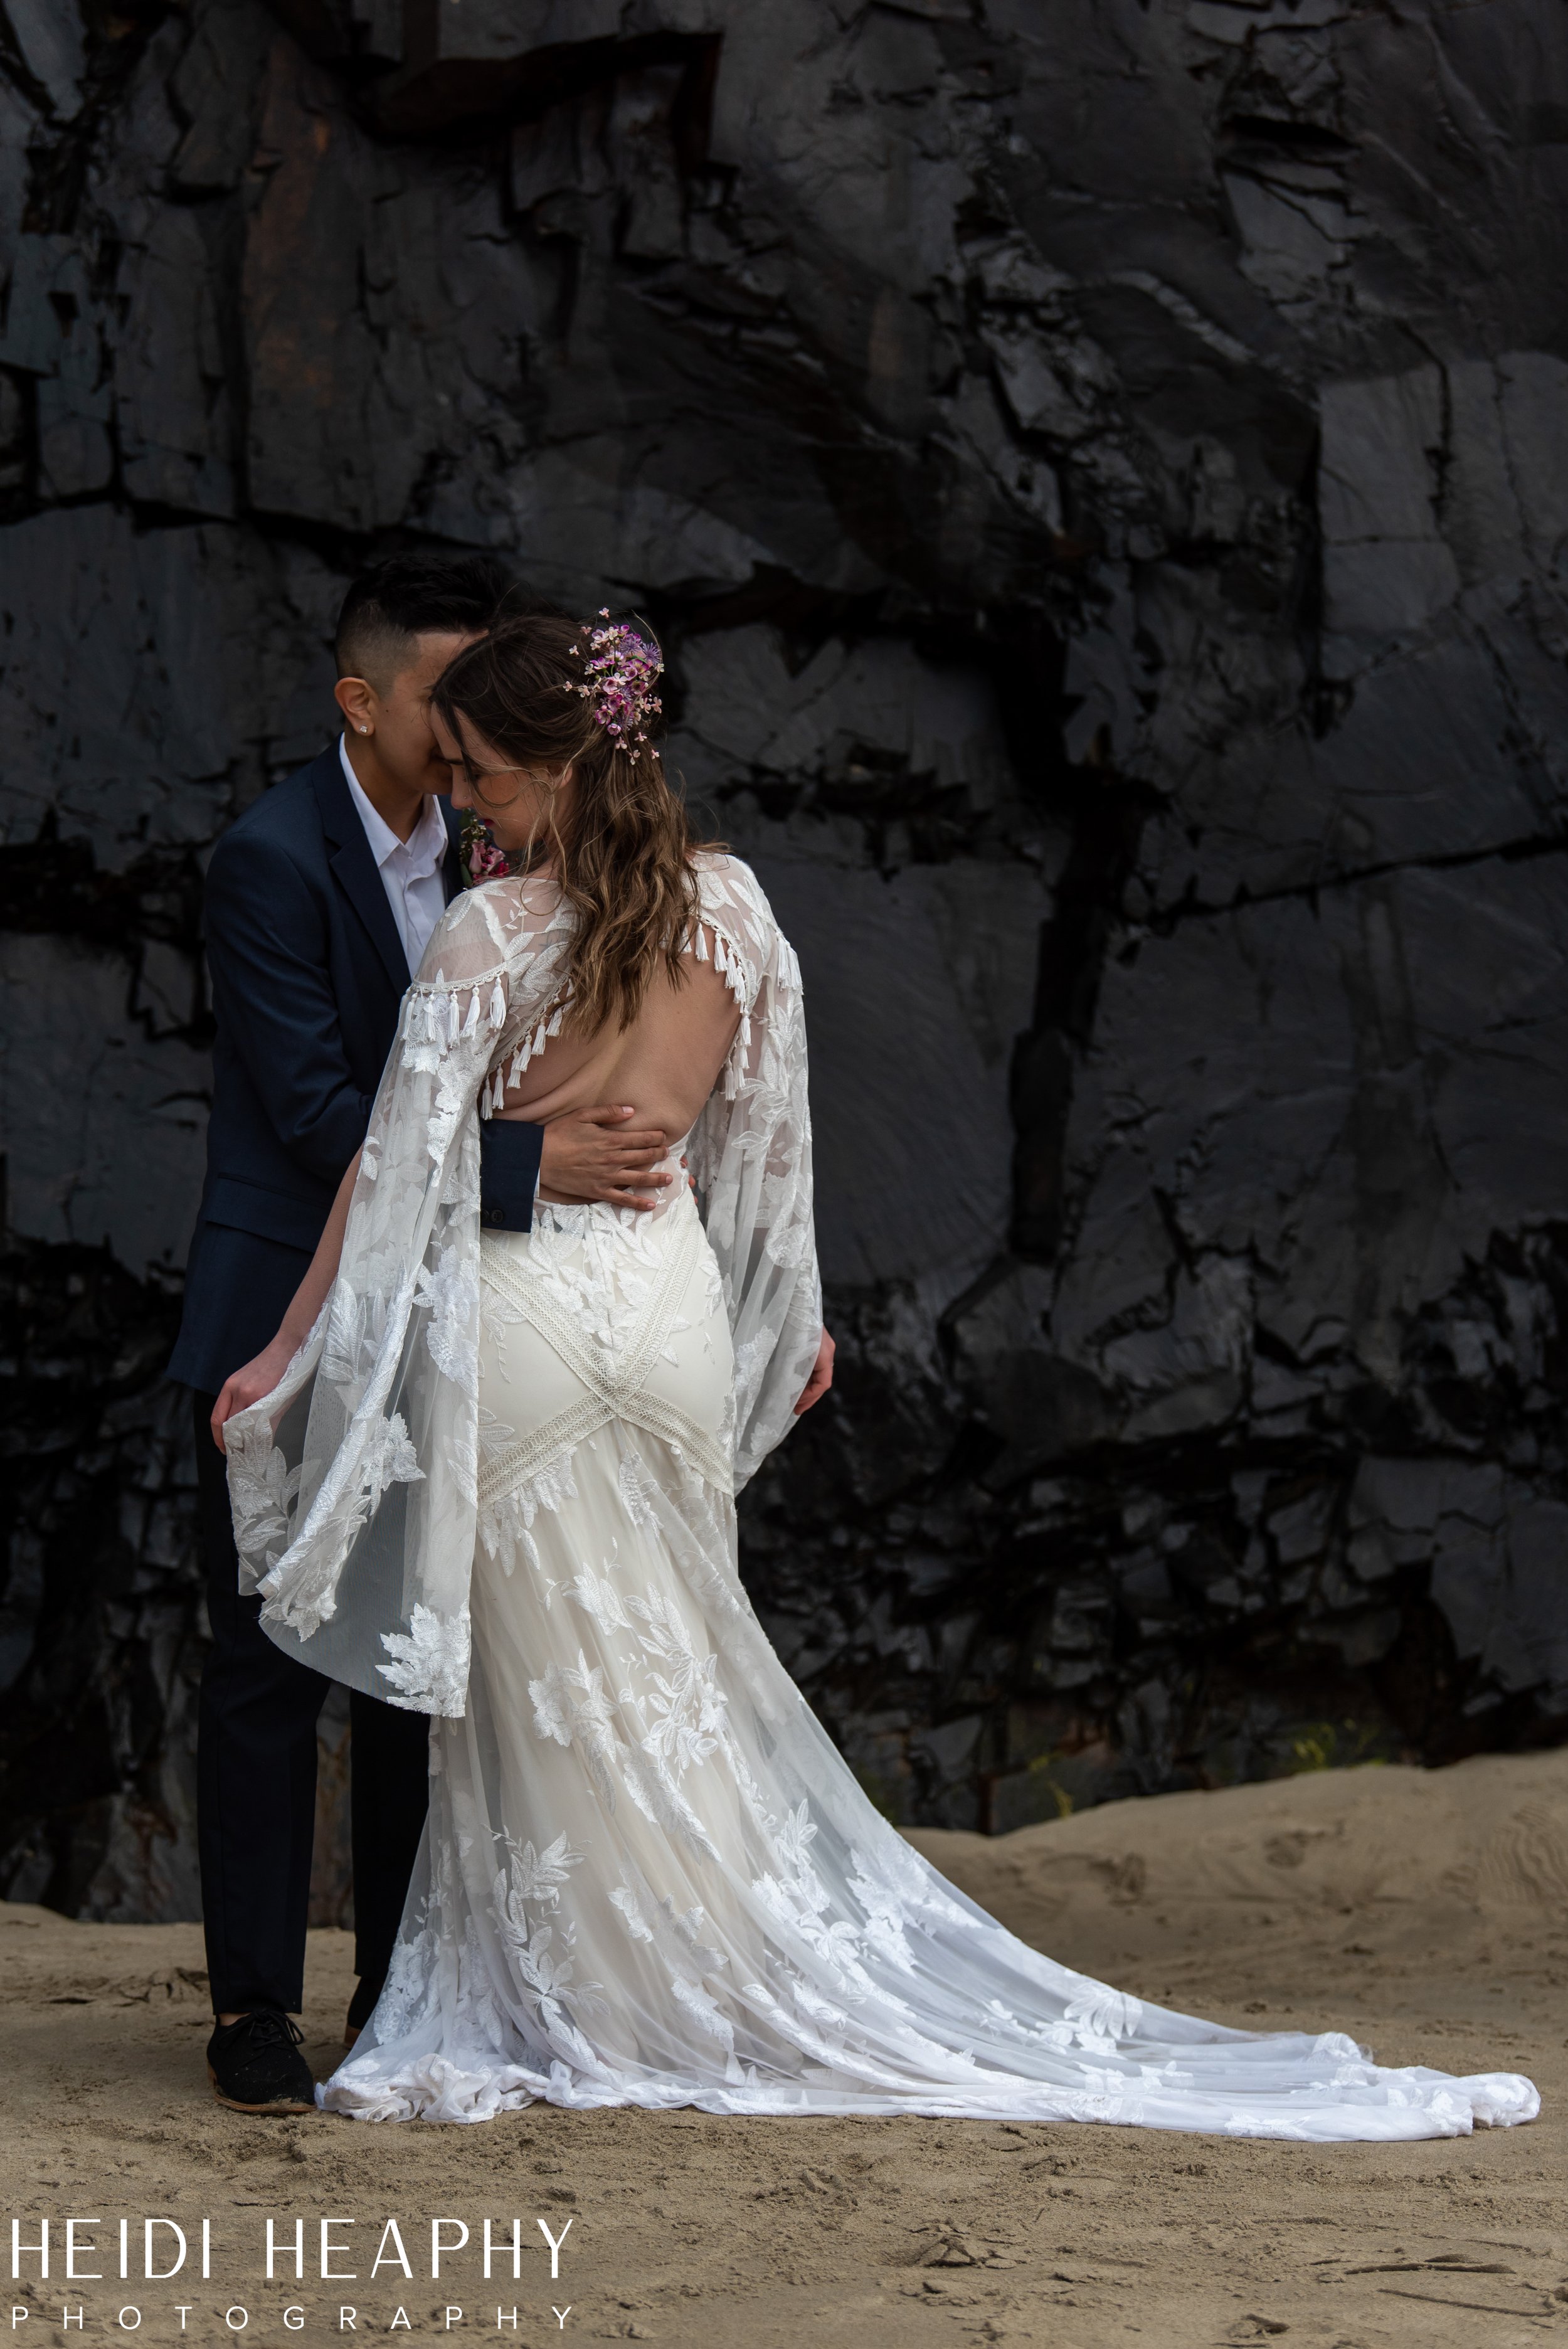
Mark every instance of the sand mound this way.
pixel 1437 1857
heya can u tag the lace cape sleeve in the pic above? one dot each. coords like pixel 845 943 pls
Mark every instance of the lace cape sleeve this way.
pixel 352 1484
pixel 750 1154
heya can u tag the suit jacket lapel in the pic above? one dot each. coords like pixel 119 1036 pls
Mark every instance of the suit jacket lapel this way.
pixel 451 870
pixel 354 867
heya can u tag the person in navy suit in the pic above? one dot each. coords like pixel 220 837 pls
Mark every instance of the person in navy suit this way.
pixel 320 902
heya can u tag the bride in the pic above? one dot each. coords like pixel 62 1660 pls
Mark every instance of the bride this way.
pixel 490 1475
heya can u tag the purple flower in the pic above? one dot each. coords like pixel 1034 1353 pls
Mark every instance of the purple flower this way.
pixel 622 670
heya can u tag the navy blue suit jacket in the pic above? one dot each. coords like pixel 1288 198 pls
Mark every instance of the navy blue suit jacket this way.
pixel 308 973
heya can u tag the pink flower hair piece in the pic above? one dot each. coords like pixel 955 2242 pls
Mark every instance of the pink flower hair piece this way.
pixel 622 670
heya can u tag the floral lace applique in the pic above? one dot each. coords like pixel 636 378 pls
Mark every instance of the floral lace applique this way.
pixel 494 1434
pixel 700 2006
pixel 349 1342
pixel 262 1486
pixel 479 2009
pixel 535 1876
pixel 626 1902
pixel 684 1701
pixel 527 1902
pixel 409 1990
pixel 1100 2017
pixel 598 1597
pixel 638 1491
pixel 430 1670
pixel 497 1313
pixel 570 1705
pixel 451 1294
pixel 504 1523
pixel 390 1459
pixel 607 1310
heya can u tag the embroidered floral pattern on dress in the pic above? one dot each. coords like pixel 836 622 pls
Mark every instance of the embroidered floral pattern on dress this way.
pixel 430 1670
pixel 390 1459
pixel 262 1485
pixel 504 1522
pixel 638 1491
pixel 410 1988
pixel 450 1295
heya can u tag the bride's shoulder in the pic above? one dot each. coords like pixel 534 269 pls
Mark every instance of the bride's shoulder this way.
pixel 732 902
pixel 723 879
pixel 490 923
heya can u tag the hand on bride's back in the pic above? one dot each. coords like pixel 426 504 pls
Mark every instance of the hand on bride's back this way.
pixel 596 1155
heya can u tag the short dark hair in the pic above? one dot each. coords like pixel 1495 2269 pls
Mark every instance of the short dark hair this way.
pixel 408 596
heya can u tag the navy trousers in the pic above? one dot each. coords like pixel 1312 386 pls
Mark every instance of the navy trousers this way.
pixel 255 1790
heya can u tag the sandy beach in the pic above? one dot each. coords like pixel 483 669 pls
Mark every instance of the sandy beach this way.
pixel 1426 1913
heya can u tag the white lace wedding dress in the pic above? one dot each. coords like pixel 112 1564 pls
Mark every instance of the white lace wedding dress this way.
pixel 498 1484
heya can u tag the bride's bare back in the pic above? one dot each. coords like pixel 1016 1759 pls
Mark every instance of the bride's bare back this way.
pixel 663 1066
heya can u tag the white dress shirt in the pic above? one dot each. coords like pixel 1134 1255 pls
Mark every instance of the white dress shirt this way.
pixel 411 869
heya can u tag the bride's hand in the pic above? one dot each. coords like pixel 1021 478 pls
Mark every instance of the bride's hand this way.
pixel 242 1388
pixel 822 1377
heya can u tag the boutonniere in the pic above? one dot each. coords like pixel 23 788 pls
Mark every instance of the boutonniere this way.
pixel 479 857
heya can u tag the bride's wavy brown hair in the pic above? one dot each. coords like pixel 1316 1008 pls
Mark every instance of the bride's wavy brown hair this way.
pixel 622 848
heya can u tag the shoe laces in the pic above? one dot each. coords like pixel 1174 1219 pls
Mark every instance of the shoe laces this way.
pixel 269 2027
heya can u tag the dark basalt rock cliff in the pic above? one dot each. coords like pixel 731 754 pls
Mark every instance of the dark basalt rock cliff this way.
pixel 1100 472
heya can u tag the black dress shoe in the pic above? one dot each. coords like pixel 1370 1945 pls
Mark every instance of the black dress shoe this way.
pixel 255 2065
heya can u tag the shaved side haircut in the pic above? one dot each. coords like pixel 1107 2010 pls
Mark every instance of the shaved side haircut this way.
pixel 410 595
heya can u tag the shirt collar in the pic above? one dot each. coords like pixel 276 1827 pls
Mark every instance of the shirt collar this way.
pixel 426 846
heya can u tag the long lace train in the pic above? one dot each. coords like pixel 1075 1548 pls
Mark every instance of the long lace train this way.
pixel 649 1879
